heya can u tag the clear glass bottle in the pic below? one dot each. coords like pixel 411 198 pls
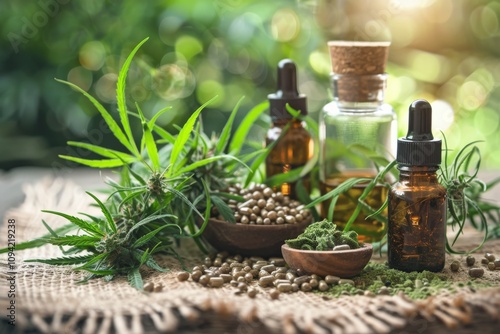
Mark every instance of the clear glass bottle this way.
pixel 417 203
pixel 294 148
pixel 357 117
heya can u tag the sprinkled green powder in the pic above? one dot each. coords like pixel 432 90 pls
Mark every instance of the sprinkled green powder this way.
pixel 378 279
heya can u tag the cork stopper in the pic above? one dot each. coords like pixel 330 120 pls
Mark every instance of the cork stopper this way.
pixel 360 58
pixel 358 70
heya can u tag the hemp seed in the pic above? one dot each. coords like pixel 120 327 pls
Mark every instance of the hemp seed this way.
pixel 476 272
pixel 183 276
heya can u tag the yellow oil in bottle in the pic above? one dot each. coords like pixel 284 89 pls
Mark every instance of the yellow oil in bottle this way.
pixel 369 230
pixel 293 150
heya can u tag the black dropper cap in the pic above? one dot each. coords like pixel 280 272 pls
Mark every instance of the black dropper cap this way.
pixel 287 92
pixel 419 148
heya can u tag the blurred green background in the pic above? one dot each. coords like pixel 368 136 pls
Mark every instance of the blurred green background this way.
pixel 442 50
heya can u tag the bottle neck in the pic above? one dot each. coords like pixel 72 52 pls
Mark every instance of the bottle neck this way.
pixel 418 174
pixel 282 122
pixel 352 91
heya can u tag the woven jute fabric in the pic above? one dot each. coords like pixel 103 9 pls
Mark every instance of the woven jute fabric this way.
pixel 49 299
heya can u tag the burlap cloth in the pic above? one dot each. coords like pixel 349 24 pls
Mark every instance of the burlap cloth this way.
pixel 49 300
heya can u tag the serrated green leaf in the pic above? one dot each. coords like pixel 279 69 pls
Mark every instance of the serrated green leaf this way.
pixel 152 149
pixel 167 137
pixel 105 152
pixel 27 245
pixel 51 231
pixel 148 140
pixel 152 121
pixel 147 237
pixel 136 176
pixel 148 220
pixel 43 240
pixel 206 161
pixel 292 111
pixel 224 209
pixel 135 279
pixel 361 205
pixel 101 272
pixel 62 261
pixel 95 260
pixel 343 187
pixel 109 219
pixel 125 179
pixel 104 163
pixel 121 99
pixel 183 198
pixel 206 217
pixel 151 263
pixel 80 223
pixel 74 240
pixel 130 196
pixel 291 176
pixel 184 136
pixel 378 212
pixel 261 158
pixel 113 126
pixel 226 131
pixel 245 126
pixel 144 257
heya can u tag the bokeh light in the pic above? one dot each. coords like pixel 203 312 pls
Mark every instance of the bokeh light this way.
pixel 188 46
pixel 208 89
pixel 92 55
pixel 413 4
pixel 80 77
pixel 443 115
pixel 488 121
pixel 445 51
pixel 106 87
pixel 173 81
pixel 428 67
pixel 484 20
pixel 285 25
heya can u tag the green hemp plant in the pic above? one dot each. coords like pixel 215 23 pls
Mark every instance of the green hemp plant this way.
pixel 164 194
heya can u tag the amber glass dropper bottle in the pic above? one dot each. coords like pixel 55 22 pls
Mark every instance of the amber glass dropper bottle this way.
pixel 294 148
pixel 417 203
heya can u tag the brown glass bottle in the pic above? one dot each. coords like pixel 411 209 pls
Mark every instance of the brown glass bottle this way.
pixel 417 203
pixel 293 148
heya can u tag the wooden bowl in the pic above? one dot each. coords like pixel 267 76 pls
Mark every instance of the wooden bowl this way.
pixel 251 240
pixel 346 263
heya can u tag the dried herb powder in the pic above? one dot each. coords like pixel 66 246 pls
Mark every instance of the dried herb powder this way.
pixel 323 236
pixel 378 279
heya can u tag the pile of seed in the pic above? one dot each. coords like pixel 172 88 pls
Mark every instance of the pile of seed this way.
pixel 246 274
pixel 489 260
pixel 272 277
pixel 263 206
